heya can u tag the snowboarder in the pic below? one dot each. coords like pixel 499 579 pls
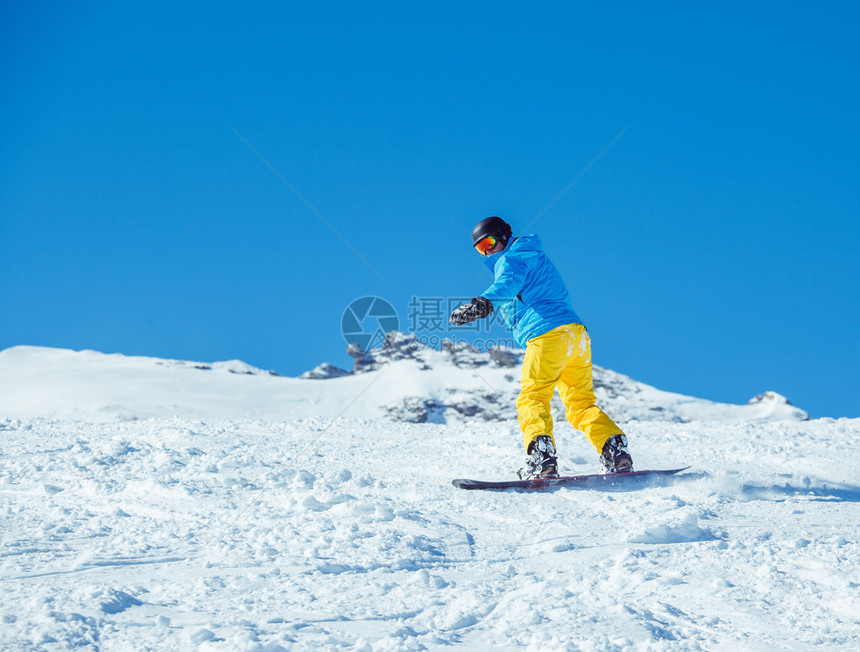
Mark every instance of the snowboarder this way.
pixel 533 300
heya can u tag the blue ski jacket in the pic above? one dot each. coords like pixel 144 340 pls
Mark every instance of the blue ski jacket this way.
pixel 528 291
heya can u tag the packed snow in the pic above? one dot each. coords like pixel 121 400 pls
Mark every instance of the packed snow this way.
pixel 156 504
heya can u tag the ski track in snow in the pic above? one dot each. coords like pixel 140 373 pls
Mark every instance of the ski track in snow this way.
pixel 314 534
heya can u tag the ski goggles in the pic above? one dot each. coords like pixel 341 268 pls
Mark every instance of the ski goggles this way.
pixel 485 244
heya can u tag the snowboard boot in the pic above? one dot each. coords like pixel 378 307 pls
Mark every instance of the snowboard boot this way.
pixel 615 458
pixel 541 461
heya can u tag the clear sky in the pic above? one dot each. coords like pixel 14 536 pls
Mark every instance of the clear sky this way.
pixel 712 249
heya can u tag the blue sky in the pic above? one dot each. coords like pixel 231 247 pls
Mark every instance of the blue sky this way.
pixel 712 250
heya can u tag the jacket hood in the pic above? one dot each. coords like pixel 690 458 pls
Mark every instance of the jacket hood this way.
pixel 529 242
pixel 521 243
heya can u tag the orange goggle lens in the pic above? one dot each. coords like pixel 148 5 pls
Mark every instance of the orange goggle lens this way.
pixel 485 244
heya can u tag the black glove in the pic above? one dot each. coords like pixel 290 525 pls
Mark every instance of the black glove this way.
pixel 469 312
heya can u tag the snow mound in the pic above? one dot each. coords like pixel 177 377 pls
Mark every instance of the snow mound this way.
pixel 113 601
pixel 679 528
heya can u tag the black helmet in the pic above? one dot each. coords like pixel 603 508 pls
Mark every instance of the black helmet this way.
pixel 494 226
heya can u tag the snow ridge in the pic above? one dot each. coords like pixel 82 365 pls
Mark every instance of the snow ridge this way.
pixel 401 381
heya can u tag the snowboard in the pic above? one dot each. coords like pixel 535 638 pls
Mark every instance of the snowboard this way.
pixel 617 481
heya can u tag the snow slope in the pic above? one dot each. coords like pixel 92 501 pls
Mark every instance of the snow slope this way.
pixel 242 525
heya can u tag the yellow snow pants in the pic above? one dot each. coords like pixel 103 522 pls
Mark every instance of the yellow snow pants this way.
pixel 561 358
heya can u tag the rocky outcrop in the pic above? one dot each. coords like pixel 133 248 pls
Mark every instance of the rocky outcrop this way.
pixel 403 346
pixel 325 371
pixel 458 405
pixel 623 398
